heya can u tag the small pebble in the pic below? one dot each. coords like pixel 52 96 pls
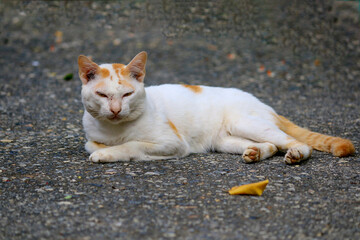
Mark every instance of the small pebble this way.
pixel 151 174
pixel 110 172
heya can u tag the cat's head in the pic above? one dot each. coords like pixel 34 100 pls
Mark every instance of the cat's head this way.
pixel 113 92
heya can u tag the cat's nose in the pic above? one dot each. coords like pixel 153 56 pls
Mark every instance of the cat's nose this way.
pixel 115 111
pixel 115 107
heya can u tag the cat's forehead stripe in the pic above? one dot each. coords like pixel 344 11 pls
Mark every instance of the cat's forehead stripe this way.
pixel 126 84
pixel 118 65
pixel 194 88
pixel 118 69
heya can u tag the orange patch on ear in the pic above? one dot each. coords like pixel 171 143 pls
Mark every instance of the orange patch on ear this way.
pixel 136 67
pixel 104 72
pixel 87 69
pixel 171 124
pixel 100 84
pixel 194 88
pixel 126 84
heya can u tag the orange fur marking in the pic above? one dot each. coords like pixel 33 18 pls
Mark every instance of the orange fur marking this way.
pixel 126 84
pixel 100 84
pixel 118 66
pixel 118 69
pixel 125 71
pixel 327 140
pixel 121 69
pixel 100 145
pixel 104 72
pixel 337 146
pixel 194 88
pixel 171 124
pixel 342 148
pixel 314 137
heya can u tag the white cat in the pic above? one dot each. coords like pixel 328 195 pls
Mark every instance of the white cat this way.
pixel 124 121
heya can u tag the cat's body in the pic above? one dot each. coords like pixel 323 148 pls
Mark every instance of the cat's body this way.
pixel 124 121
pixel 169 117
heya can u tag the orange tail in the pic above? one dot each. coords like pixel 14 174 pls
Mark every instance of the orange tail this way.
pixel 337 146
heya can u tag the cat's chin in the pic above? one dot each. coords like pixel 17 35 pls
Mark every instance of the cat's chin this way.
pixel 115 120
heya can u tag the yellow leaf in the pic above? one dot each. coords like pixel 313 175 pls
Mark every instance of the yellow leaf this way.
pixel 250 189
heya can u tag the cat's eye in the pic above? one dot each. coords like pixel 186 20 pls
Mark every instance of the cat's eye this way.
pixel 101 94
pixel 128 94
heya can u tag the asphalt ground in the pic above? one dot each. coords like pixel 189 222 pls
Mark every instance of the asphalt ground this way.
pixel 300 57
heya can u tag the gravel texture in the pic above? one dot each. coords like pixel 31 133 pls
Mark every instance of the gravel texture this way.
pixel 301 57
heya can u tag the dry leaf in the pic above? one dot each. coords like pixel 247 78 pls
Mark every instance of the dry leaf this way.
pixel 250 189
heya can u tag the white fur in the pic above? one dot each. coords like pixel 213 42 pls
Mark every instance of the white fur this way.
pixel 220 119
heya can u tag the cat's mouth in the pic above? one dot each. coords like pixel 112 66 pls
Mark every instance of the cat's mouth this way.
pixel 114 118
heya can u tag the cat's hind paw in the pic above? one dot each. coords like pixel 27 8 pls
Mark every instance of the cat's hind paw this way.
pixel 251 154
pixel 295 155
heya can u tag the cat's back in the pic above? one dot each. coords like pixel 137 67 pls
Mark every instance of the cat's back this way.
pixel 194 95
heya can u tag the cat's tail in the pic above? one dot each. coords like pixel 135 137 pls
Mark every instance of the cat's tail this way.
pixel 337 146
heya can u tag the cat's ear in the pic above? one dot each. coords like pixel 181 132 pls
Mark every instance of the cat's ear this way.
pixel 87 69
pixel 136 67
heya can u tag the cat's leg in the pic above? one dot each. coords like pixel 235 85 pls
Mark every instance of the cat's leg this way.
pixel 252 151
pixel 259 151
pixel 135 150
pixel 263 131
pixel 92 146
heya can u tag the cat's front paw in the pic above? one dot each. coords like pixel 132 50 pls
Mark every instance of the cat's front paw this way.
pixel 104 155
pixel 251 154
pixel 101 156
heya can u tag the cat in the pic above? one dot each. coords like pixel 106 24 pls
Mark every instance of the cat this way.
pixel 125 121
